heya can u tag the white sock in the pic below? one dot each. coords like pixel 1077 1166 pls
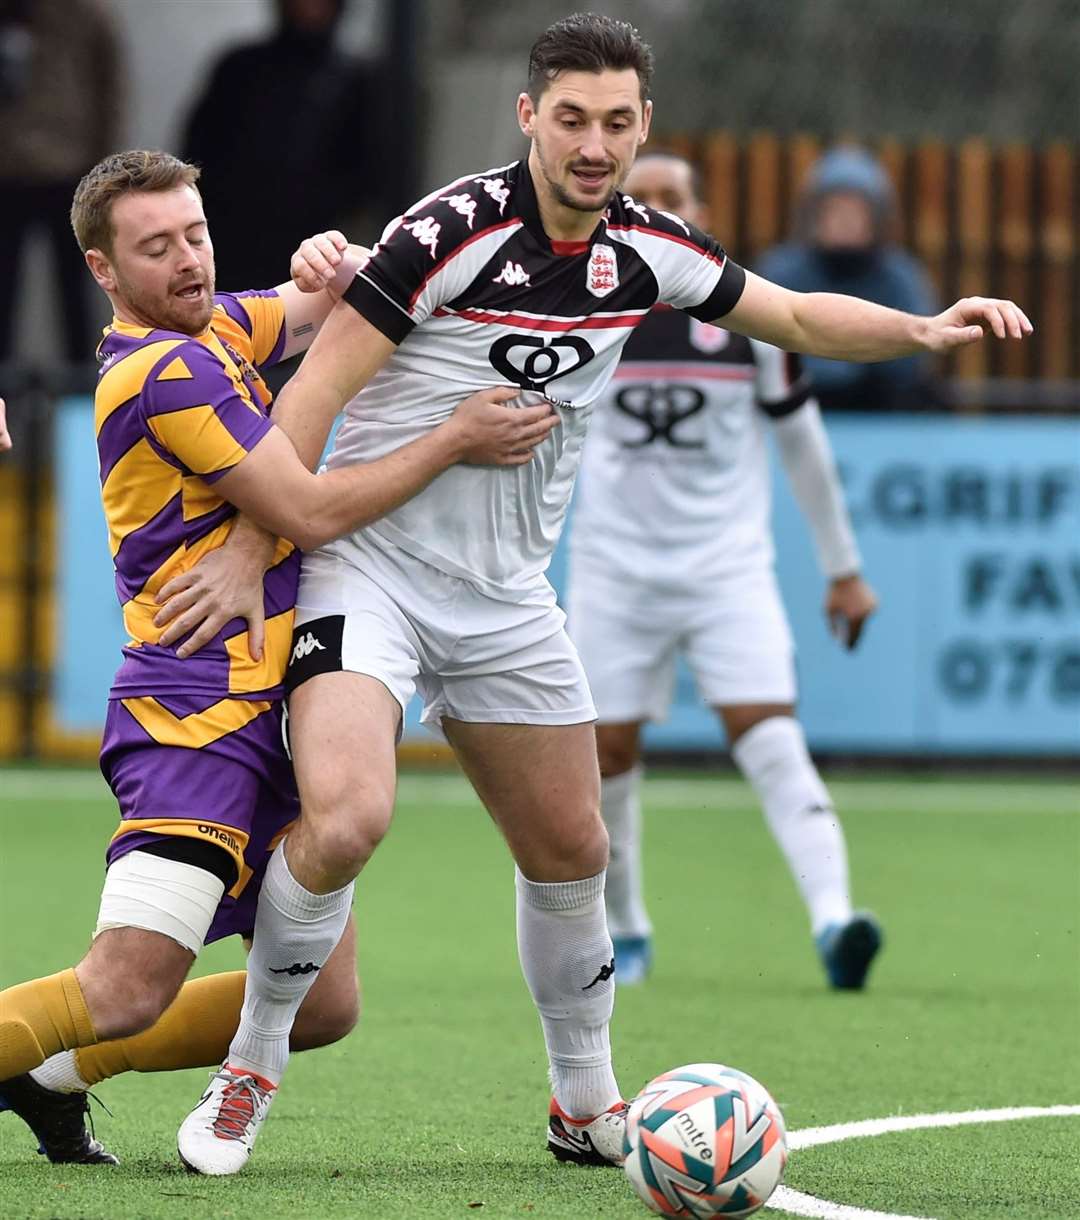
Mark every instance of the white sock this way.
pixel 60 1073
pixel 567 960
pixel 620 804
pixel 294 930
pixel 774 758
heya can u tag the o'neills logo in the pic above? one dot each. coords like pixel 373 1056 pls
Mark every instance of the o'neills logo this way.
pixel 602 275
pixel 215 832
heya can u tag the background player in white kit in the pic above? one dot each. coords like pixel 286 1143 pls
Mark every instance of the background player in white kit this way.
pixel 534 274
pixel 671 553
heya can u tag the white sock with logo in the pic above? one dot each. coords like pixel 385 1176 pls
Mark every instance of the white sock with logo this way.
pixel 620 805
pixel 566 957
pixel 799 811
pixel 295 933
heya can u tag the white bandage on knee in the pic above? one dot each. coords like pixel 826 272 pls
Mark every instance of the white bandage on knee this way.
pixel 144 891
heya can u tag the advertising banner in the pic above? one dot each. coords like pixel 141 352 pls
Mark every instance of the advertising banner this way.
pixel 970 532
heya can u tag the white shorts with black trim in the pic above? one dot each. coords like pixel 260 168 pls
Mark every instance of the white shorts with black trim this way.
pixel 374 609
pixel 733 632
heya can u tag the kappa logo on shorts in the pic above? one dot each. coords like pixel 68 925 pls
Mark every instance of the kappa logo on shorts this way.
pixel 316 649
pixel 306 646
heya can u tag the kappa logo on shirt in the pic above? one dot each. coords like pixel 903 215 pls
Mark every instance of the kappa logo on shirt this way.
pixel 464 205
pixel 513 274
pixel 675 220
pixel 632 205
pixel 426 230
pixel 602 273
pixel 497 189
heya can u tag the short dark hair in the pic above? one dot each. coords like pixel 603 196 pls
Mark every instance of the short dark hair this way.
pixel 137 169
pixel 588 42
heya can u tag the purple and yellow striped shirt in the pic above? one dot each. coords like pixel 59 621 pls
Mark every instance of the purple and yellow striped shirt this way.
pixel 173 413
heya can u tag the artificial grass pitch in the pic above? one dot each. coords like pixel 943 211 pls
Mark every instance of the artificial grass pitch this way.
pixel 436 1105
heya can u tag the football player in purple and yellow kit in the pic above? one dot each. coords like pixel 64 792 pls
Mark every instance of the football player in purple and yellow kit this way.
pixel 193 744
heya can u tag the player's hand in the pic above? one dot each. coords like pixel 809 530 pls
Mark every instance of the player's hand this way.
pixel 5 435
pixel 315 263
pixel 225 584
pixel 968 320
pixel 489 433
pixel 848 604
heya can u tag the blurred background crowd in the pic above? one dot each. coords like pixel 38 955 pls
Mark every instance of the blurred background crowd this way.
pixel 906 153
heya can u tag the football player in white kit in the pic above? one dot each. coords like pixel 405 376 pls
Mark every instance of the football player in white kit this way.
pixel 535 275
pixel 671 553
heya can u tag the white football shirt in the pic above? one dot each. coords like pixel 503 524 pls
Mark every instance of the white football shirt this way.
pixel 476 295
pixel 675 487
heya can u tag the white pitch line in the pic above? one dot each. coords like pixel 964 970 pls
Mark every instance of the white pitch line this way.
pixel 794 1201
pixel 799 1204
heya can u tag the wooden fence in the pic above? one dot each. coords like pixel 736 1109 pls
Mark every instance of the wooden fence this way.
pixel 985 220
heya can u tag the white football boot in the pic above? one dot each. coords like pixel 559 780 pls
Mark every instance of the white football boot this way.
pixel 217 1136
pixel 588 1141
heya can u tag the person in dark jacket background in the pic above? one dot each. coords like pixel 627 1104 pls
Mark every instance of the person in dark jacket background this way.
pixel 842 244
pixel 285 132
pixel 62 84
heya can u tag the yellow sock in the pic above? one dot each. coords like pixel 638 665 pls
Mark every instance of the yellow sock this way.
pixel 194 1031
pixel 39 1019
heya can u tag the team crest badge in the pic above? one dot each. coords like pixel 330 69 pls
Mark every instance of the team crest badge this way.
pixel 706 338
pixel 602 275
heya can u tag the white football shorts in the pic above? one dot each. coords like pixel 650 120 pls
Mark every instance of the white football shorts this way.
pixel 733 632
pixel 374 609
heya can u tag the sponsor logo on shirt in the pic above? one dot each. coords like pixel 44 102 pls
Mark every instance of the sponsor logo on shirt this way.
pixel 531 361
pixel 602 273
pixel 632 205
pixel 706 338
pixel 513 274
pixel 660 408
pixel 426 231
pixel 464 205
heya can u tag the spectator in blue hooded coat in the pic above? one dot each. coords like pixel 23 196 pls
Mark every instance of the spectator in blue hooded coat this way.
pixel 841 244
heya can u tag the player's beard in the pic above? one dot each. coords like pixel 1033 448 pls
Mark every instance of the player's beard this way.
pixel 166 311
pixel 562 194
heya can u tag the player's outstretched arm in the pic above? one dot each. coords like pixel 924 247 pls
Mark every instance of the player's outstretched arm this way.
pixel 846 328
pixel 5 435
